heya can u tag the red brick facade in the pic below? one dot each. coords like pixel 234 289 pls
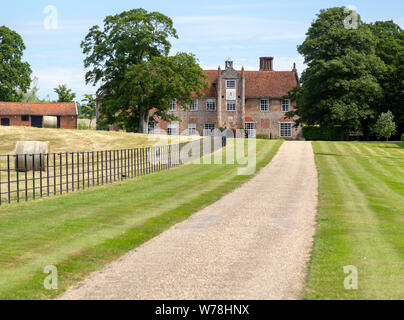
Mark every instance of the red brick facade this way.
pixel 243 99
pixel 31 114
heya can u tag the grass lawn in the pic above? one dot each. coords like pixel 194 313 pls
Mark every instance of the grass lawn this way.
pixel 360 221
pixel 81 232
pixel 62 140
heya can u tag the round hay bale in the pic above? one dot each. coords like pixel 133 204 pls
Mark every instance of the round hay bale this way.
pixel 50 122
pixel 35 154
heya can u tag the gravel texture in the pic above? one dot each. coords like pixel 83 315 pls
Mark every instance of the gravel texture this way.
pixel 254 243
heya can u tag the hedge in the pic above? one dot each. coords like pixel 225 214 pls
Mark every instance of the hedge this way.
pixel 402 137
pixel 263 137
pixel 314 133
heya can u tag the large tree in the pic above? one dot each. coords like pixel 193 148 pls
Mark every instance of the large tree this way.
pixel 32 94
pixel 390 48
pixel 15 75
pixel 149 88
pixel 340 85
pixel 88 107
pixel 127 45
pixel 64 94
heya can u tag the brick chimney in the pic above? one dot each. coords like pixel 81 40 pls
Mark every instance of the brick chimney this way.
pixel 266 63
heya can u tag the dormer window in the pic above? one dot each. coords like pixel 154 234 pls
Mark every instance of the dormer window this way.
pixel 230 84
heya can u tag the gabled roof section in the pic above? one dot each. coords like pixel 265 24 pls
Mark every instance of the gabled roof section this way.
pixel 258 83
pixel 39 109
pixel 269 83
pixel 212 77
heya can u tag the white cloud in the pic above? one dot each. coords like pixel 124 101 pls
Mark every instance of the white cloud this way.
pixel 65 27
pixel 249 6
pixel 50 78
pixel 235 27
pixel 399 21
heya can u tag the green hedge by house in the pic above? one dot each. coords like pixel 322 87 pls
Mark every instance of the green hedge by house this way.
pixel 263 137
pixel 315 133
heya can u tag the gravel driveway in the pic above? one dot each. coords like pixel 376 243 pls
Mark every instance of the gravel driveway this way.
pixel 254 243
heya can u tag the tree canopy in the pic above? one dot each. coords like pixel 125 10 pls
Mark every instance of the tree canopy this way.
pixel 65 94
pixel 128 38
pixel 88 107
pixel 129 59
pixel 390 48
pixel 345 83
pixel 149 88
pixel 15 75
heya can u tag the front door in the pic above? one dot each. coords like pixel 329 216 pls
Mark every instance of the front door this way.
pixel 36 121
pixel 5 122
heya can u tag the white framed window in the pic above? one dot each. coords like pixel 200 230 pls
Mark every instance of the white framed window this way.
pixel 285 105
pixel 231 84
pixel 191 129
pixel 210 105
pixel 264 105
pixel 231 105
pixel 286 130
pixel 250 129
pixel 210 126
pixel 173 105
pixel 172 129
pixel 194 105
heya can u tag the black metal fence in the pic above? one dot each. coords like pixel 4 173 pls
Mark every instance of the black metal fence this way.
pixel 30 176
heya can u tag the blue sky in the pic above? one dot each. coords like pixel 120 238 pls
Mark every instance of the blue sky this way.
pixel 212 30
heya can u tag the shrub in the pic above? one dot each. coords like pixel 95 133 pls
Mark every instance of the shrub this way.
pixel 83 126
pixel 385 126
pixel 263 137
pixel 402 137
pixel 315 133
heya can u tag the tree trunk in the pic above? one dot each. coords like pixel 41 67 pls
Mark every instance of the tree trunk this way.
pixel 365 130
pixel 144 123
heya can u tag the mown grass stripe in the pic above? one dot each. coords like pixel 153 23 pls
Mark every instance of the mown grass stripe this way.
pixel 373 226
pixel 97 237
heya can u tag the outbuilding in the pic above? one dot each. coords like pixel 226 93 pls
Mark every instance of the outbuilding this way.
pixel 32 114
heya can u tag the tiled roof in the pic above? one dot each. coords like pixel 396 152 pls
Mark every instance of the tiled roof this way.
pixel 259 83
pixel 40 109
pixel 269 83
pixel 212 76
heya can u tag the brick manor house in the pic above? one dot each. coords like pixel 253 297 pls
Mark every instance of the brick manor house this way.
pixel 253 100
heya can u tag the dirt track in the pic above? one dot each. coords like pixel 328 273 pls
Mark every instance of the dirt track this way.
pixel 252 244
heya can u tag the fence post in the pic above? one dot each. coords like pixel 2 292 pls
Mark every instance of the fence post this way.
pixel 26 178
pixel 67 172
pixel 8 179
pixel 18 178
pixel 61 173
pixel 47 174
pixel 40 172
pixel 54 174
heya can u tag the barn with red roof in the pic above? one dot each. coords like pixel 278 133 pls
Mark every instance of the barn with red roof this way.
pixel 34 114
